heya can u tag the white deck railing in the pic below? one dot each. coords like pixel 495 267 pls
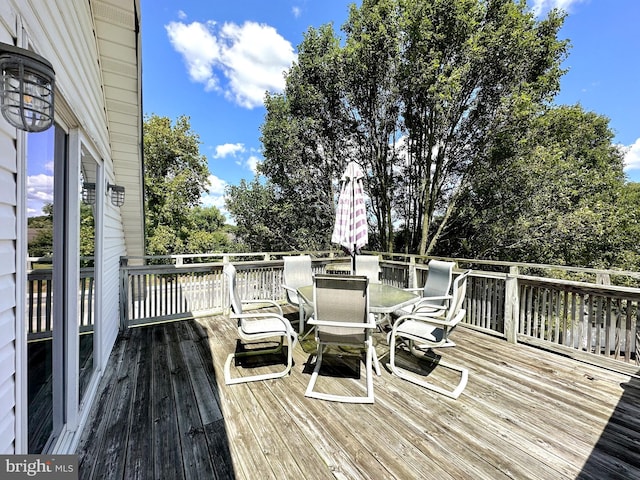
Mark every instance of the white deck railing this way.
pixel 505 299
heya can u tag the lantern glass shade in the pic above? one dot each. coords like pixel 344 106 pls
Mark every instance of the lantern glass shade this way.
pixel 89 193
pixel 117 194
pixel 26 89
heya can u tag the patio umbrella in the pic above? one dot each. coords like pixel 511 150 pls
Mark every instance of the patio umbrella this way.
pixel 350 229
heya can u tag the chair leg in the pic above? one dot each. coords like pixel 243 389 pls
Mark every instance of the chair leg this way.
pixel 413 378
pixel 376 363
pixel 265 376
pixel 369 398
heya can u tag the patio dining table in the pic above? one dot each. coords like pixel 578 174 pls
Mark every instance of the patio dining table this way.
pixel 383 299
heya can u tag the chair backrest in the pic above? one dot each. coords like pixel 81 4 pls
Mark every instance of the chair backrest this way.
pixel 368 265
pixel 438 281
pixel 297 273
pixel 234 299
pixel 341 298
pixel 458 295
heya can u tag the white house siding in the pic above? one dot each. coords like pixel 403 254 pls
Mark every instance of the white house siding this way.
pixel 113 249
pixel 63 31
pixel 7 265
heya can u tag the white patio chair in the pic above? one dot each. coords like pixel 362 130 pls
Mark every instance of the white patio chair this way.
pixel 368 265
pixel 436 290
pixel 298 273
pixel 256 326
pixel 422 332
pixel 342 318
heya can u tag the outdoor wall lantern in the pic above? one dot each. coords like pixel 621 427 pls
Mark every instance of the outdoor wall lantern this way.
pixel 117 194
pixel 89 193
pixel 26 89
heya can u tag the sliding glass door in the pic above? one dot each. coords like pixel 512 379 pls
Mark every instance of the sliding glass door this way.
pixel 63 288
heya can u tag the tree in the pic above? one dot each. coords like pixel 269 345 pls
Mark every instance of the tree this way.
pixel 175 178
pixel 551 196
pixel 470 70
pixel 303 138
pixel 208 232
pixel 418 93
pixel 268 222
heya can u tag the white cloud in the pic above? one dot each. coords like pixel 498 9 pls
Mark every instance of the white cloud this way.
pixel 297 11
pixel 181 15
pixel 215 196
pixel 632 156
pixel 39 193
pixel 252 58
pixel 199 49
pixel 252 163
pixel 539 7
pixel 216 185
pixel 227 149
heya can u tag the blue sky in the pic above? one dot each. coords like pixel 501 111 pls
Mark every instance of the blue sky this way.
pixel 213 61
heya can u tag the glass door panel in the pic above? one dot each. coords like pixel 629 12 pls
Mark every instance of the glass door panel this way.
pixel 41 157
pixel 87 290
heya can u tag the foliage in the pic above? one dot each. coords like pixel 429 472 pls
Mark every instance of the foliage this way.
pixel 42 244
pixel 268 222
pixel 416 95
pixel 556 195
pixel 175 178
pixel 87 234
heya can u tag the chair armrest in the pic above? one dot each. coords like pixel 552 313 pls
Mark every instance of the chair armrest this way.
pixel 354 325
pixel 437 297
pixel 287 324
pixel 415 289
pixel 291 289
pixel 440 322
pixel 269 302
pixel 427 308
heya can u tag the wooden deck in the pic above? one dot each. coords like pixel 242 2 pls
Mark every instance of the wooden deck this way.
pixel 164 412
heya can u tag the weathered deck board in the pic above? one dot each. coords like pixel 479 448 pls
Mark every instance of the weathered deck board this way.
pixel 526 413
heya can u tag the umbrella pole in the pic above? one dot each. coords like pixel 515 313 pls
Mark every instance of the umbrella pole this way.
pixel 353 260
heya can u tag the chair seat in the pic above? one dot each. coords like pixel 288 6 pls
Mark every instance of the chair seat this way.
pixel 419 330
pixel 263 325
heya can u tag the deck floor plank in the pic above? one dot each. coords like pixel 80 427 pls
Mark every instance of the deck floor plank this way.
pixel 195 453
pixel 139 462
pixel 526 413
pixel 90 446
pixel 167 450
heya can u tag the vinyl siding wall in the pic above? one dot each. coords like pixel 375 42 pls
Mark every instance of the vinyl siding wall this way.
pixel 8 189
pixel 62 31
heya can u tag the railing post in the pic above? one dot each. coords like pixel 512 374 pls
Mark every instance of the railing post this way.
pixel 511 305
pixel 413 274
pixel 124 293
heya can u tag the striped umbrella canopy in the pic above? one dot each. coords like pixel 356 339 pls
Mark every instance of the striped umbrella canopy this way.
pixel 350 229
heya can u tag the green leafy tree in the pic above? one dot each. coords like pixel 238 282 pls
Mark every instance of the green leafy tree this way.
pixel 208 232
pixel 551 196
pixel 417 93
pixel 41 245
pixel 471 69
pixel 175 178
pixel 265 221
pixel 302 136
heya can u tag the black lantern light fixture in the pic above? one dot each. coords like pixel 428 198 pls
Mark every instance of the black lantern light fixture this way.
pixel 26 89
pixel 117 194
pixel 89 193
